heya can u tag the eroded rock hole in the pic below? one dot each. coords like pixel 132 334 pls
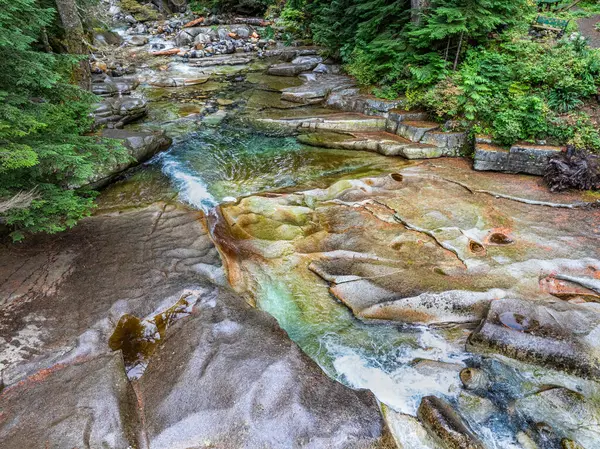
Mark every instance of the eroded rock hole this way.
pixel 476 247
pixel 498 238
pixel 137 339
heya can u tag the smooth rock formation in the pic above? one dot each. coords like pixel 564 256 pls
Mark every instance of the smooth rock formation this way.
pixel 520 158
pixel 63 295
pixel 568 412
pixel 427 244
pixel 118 112
pixel 88 403
pixel 317 90
pixel 140 146
pixel 229 376
pixel 296 66
pixel 445 425
pixel 555 335
pixel 377 141
pixel 330 122
pixel 226 375
pixel 106 86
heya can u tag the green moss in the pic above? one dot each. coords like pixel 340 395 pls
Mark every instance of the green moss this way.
pixel 141 13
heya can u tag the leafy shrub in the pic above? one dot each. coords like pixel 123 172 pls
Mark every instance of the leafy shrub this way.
pixel 42 121
pixel 294 21
pixel 243 7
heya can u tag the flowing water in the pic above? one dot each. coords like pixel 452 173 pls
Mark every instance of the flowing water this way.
pixel 222 163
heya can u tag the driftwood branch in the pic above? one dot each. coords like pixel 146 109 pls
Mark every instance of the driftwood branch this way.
pixel 19 201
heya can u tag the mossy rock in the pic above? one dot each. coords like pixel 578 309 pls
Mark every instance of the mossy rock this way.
pixel 140 12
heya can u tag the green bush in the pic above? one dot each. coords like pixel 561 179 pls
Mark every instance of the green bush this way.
pixel 141 12
pixel 43 119
pixel 467 59
pixel 242 7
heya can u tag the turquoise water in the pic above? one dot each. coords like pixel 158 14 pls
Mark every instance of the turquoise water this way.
pixel 225 163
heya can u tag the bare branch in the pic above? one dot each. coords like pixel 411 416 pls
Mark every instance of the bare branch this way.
pixel 19 201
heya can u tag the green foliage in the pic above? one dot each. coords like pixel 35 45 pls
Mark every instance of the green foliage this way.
pixel 246 7
pixel 465 59
pixel 42 121
pixel 293 20
pixel 140 12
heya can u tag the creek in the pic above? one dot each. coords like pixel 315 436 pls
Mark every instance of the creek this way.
pixel 223 161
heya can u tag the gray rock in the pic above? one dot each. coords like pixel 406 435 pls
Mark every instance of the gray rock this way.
pixel 82 404
pixel 308 60
pixel 229 373
pixel 203 38
pixel 321 68
pixel 318 89
pixel 185 38
pixel 288 69
pixel 555 335
pixel 520 158
pixel 453 143
pixel 141 146
pixel 136 260
pixel 243 31
pixel 223 33
pixel 445 425
pixel 568 412
pixel 138 41
pixel 105 38
pixel 106 86
pixel 117 112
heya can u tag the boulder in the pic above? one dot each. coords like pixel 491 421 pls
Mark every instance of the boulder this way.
pixel 519 158
pixel 185 38
pixel 107 86
pixel 138 41
pixel 106 38
pixel 288 69
pixel 556 335
pixel 445 426
pixel 229 373
pixel 318 89
pixel 117 112
pixel 140 145
pixel 87 403
pixel 242 31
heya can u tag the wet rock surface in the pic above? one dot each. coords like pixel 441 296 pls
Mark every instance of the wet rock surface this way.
pixel 445 425
pixel 140 146
pixel 224 374
pixel 127 331
pixel 555 334
pixel 228 373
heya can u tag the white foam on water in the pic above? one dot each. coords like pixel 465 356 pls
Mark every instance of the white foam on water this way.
pixel 402 386
pixel 192 189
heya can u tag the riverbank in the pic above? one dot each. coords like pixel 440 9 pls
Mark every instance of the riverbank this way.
pixel 245 289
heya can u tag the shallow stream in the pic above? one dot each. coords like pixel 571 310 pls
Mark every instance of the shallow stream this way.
pixel 217 157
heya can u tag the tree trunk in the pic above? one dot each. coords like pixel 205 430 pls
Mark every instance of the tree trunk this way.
pixel 416 8
pixel 75 39
pixel 458 50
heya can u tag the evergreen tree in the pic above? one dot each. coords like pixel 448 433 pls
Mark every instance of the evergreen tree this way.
pixel 43 117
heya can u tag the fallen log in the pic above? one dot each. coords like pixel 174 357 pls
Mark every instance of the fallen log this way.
pixel 254 21
pixel 194 22
pixel 169 52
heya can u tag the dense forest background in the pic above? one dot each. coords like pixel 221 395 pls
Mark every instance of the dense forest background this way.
pixel 472 63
